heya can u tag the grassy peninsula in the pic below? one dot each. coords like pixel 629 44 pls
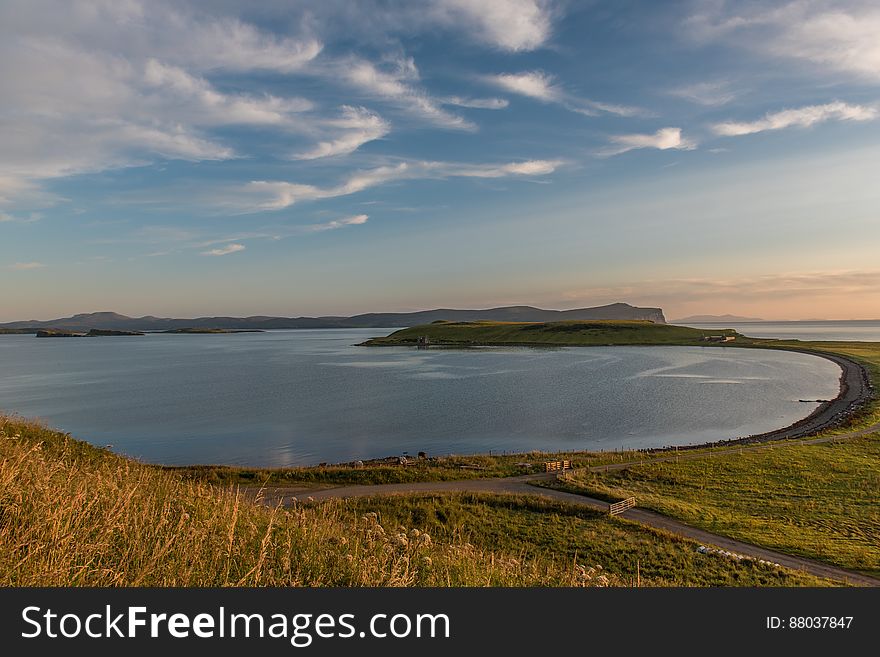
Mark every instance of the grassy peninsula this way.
pixel 572 332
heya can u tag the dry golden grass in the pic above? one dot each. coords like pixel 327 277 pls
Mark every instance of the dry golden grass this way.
pixel 75 515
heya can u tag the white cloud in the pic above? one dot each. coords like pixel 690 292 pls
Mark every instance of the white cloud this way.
pixel 197 100
pixel 83 91
pixel 542 86
pixel 802 117
pixel 94 86
pixel 262 195
pixel 534 84
pixel 396 85
pixel 506 25
pixel 224 250
pixel 356 220
pixel 25 266
pixel 178 31
pixel 710 94
pixel 839 36
pixel 663 139
pixel 512 25
pixel 356 127
pixel 477 103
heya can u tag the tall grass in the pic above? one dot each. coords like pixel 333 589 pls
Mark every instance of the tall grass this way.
pixel 75 515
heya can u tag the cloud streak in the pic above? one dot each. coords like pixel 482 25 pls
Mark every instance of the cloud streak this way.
pixel 263 195
pixel 802 117
pixel 225 250
pixel 356 127
pixel 708 94
pixel 543 87
pixel 356 220
pixel 663 139
pixel 397 85
pixel 477 103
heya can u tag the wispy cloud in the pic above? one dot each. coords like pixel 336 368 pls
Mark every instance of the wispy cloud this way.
pixel 802 117
pixel 356 220
pixel 710 94
pixel 534 84
pixel 262 195
pixel 477 103
pixel 397 84
pixel 224 250
pixel 25 266
pixel 84 98
pixel 506 25
pixel 543 87
pixel 87 98
pixel 838 36
pixel 663 139
pixel 355 127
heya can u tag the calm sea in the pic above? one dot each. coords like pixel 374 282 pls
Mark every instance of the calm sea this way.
pixel 284 398
pixel 863 330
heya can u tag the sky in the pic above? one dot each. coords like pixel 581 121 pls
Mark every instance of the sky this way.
pixel 332 157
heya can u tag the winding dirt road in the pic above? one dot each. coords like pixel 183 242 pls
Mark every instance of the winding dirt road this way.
pixel 523 485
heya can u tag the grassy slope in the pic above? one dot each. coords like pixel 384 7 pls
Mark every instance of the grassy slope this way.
pixel 72 514
pixel 550 333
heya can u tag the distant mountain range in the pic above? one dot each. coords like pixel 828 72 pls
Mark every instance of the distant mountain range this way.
pixel 110 320
pixel 694 319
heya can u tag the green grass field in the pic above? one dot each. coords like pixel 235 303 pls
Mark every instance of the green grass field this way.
pixel 820 501
pixel 442 468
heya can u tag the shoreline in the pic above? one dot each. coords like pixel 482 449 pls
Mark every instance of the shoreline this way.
pixel 855 392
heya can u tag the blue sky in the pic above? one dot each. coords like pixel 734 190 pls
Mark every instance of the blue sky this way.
pixel 333 157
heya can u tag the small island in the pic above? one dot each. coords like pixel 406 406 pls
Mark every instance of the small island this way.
pixel 93 333
pixel 574 332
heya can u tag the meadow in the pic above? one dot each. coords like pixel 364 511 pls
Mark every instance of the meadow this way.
pixel 818 501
